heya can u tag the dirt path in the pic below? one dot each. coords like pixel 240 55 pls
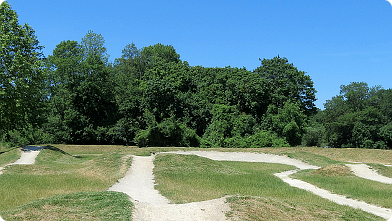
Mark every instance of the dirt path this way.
pixel 150 205
pixel 138 183
pixel 339 199
pixel 364 171
pixel 28 156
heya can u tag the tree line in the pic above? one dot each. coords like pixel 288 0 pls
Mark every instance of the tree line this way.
pixel 150 97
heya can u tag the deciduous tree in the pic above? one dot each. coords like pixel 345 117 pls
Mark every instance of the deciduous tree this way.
pixel 21 73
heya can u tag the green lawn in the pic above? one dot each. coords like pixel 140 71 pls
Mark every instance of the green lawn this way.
pixel 58 172
pixel 75 206
pixel 9 156
pixel 349 185
pixel 256 192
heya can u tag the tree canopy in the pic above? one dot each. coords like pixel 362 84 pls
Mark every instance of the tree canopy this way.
pixel 150 97
pixel 22 78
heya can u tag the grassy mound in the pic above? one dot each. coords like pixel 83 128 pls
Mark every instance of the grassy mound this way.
pixel 76 206
pixel 183 178
pixel 57 172
pixel 263 208
pixel 333 170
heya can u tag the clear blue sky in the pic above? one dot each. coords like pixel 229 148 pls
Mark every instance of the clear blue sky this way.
pixel 334 41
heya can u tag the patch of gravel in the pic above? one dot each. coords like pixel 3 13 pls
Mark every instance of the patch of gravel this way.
pixel 364 171
pixel 29 153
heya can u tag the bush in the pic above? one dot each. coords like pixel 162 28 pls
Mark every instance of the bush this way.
pixel 368 144
pixel 264 138
pixel 380 145
pixel 236 142
pixel 313 136
pixel 14 138
pixel 167 133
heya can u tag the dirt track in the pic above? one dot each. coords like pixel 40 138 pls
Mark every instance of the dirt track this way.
pixel 28 156
pixel 150 205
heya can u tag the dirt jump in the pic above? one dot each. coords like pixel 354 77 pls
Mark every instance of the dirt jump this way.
pixel 29 153
pixel 138 183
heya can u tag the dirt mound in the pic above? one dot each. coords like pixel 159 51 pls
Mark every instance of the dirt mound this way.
pixel 334 170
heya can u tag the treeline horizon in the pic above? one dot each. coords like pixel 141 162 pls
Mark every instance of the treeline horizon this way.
pixel 150 97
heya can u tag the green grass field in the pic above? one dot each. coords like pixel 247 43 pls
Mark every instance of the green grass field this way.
pixel 257 193
pixel 69 182
pixel 59 172
pixel 9 156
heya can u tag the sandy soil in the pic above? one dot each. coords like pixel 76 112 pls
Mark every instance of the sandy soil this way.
pixel 364 171
pixel 339 199
pixel 138 183
pixel 28 156
pixel 150 205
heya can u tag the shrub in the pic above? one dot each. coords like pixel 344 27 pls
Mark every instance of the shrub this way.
pixel 167 133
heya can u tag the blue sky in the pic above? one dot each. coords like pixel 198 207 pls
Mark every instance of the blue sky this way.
pixel 335 41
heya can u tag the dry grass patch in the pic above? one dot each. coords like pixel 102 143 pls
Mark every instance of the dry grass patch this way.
pixel 105 205
pixel 58 172
pixel 356 155
pixel 333 170
pixel 262 208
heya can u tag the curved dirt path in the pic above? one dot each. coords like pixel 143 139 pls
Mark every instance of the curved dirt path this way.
pixel 364 171
pixel 150 205
pixel 29 153
pixel 138 183
pixel 339 199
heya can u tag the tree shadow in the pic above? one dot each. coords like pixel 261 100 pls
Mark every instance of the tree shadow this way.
pixel 49 147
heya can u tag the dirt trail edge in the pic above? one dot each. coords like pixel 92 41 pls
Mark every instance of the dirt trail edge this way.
pixel 150 205
pixel 28 156
pixel 138 183
pixel 364 171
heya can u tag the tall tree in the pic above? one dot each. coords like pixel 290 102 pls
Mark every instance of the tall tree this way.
pixel 21 72
pixel 93 45
pixel 287 83
pixel 358 117
pixel 82 96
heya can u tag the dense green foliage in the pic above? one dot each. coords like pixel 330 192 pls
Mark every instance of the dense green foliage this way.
pixel 360 117
pixel 21 79
pixel 150 97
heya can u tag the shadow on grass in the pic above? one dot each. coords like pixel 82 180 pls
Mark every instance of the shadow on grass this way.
pixel 49 147
pixel 7 150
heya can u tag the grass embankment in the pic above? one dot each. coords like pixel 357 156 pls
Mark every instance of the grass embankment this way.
pixel 9 156
pixel 339 179
pixel 259 195
pixel 58 172
pixel 75 206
